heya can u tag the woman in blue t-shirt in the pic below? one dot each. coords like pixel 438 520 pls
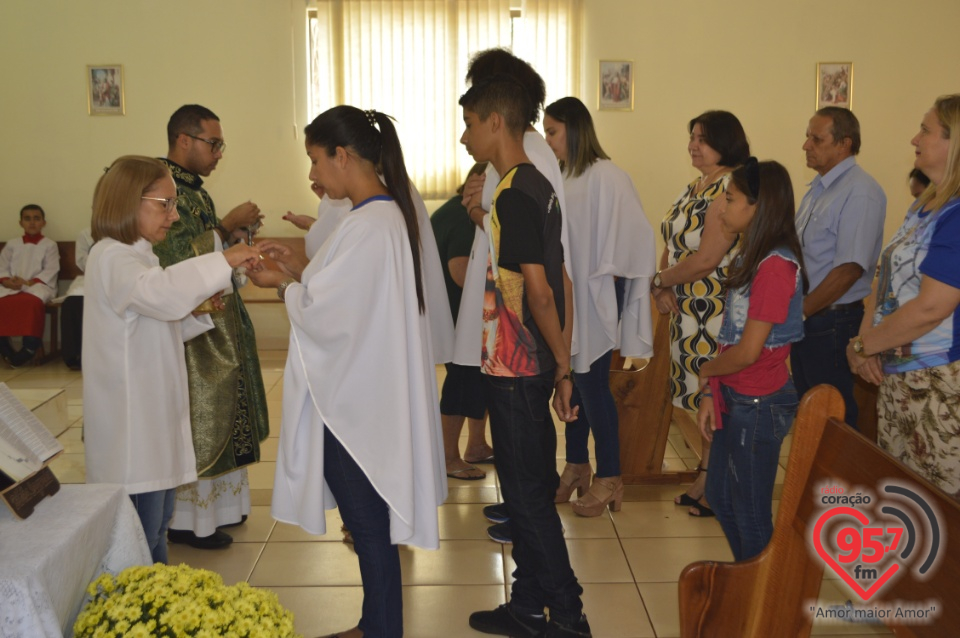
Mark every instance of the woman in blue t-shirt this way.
pixel 913 347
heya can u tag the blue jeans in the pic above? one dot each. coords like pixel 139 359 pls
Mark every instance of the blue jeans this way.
pixel 525 446
pixel 822 355
pixel 598 412
pixel 743 466
pixel 366 515
pixel 155 510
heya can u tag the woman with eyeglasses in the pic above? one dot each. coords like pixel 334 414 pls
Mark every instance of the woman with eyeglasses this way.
pixel 749 400
pixel 611 261
pixel 136 317
pixel 361 420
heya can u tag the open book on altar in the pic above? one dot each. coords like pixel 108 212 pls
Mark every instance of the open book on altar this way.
pixel 26 446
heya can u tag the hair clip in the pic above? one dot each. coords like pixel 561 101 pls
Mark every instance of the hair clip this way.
pixel 752 169
pixel 372 118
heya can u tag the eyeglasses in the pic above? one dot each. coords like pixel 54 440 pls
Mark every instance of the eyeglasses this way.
pixel 216 146
pixel 169 203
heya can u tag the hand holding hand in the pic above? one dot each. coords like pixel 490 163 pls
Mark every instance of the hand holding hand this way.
pixel 242 255
pixel 666 300
pixel 561 401
pixel 266 278
pixel 303 222
pixel 289 261
pixel 473 190
pixel 868 368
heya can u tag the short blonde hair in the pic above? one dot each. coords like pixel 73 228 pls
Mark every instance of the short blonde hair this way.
pixel 947 108
pixel 116 200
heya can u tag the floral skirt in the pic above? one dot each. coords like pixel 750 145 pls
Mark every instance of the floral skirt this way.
pixel 918 414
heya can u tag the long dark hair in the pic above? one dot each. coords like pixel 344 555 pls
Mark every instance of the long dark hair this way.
pixel 766 184
pixel 583 147
pixel 372 136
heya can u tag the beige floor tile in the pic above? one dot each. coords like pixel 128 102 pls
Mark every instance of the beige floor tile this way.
pixel 306 565
pixel 261 496
pixel 318 611
pixel 463 562
pixel 268 449
pixel 670 452
pixel 594 560
pixel 652 492
pixel 662 559
pixel 233 563
pixel 616 611
pixel 256 529
pixel 442 611
pixel 261 475
pixel 70 468
pixel 679 445
pixel 484 495
pixel 463 521
pixel 70 440
pixel 663 605
pixel 586 527
pixel 661 519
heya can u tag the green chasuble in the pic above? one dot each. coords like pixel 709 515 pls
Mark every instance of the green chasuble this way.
pixel 228 405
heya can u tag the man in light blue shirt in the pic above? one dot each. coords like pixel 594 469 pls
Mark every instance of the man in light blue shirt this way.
pixel 840 224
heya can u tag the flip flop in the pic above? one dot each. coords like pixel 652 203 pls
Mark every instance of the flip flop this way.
pixel 701 510
pixel 686 500
pixel 455 474
pixel 488 459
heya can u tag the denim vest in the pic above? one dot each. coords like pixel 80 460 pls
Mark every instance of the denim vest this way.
pixel 738 302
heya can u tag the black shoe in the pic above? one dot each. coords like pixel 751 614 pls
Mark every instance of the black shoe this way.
pixel 21 358
pixel 505 622
pixel 243 519
pixel 580 629
pixel 500 533
pixel 496 513
pixel 6 350
pixel 217 540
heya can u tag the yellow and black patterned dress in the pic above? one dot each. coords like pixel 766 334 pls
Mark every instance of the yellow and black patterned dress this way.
pixel 693 332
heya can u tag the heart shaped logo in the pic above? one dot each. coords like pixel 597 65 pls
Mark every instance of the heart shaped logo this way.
pixel 880 581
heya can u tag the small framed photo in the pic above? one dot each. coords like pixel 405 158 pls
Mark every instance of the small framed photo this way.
pixel 105 89
pixel 835 84
pixel 616 85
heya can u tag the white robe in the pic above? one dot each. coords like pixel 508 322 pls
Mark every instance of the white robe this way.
pixel 360 361
pixel 330 212
pixel 83 245
pixel 32 261
pixel 469 333
pixel 136 316
pixel 609 237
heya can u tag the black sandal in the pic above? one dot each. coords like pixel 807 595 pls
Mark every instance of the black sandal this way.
pixel 688 501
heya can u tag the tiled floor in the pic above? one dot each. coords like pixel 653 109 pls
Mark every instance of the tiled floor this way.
pixel 628 562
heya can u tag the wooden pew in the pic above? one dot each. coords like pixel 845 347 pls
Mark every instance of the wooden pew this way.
pixel 765 596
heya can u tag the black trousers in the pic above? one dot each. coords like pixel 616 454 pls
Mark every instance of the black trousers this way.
pixel 71 330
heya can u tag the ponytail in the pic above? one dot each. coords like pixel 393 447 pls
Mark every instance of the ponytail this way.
pixel 373 137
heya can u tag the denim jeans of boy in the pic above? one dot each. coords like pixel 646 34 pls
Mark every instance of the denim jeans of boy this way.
pixel 821 357
pixel 743 466
pixel 366 515
pixel 155 510
pixel 525 446
pixel 598 413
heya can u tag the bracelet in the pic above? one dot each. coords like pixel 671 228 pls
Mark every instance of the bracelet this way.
pixel 567 377
pixel 282 288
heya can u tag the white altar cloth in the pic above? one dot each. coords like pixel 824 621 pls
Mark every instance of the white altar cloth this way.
pixel 47 560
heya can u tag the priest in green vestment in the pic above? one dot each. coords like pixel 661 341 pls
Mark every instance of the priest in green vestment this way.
pixel 228 408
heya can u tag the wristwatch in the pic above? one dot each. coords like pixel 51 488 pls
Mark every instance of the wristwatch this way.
pixel 282 288
pixel 858 345
pixel 657 281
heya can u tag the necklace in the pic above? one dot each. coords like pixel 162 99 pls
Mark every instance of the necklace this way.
pixel 708 178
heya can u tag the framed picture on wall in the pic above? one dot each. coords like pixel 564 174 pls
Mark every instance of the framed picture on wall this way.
pixel 616 85
pixel 835 84
pixel 105 89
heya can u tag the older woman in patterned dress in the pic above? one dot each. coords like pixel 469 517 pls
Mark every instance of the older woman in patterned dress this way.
pixel 696 254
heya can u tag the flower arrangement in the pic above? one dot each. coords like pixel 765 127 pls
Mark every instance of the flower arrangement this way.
pixel 175 601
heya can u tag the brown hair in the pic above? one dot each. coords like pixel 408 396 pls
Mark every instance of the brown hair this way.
pixel 116 200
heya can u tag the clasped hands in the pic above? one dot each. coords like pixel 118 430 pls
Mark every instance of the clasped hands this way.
pixel 867 368
pixel 16 283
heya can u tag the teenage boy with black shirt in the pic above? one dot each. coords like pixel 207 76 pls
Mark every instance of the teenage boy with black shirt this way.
pixel 527 321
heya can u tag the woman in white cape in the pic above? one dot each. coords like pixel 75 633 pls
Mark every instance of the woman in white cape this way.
pixel 361 418
pixel 611 259
pixel 136 416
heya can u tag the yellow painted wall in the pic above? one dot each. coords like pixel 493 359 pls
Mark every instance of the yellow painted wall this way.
pixel 758 59
pixel 245 59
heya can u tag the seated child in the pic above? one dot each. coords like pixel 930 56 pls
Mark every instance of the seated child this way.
pixel 28 280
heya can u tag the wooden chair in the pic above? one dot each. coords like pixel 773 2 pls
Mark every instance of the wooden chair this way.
pixel 765 596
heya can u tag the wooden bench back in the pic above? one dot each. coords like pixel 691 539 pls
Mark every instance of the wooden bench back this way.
pixel 769 595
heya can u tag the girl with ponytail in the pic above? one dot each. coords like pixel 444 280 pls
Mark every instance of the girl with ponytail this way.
pixel 360 410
